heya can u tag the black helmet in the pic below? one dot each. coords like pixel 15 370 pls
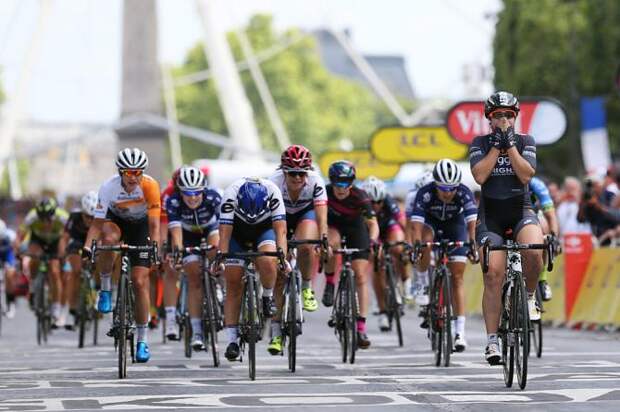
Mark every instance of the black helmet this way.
pixel 342 173
pixel 46 208
pixel 500 100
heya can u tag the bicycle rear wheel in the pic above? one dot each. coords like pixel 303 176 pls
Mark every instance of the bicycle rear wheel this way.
pixel 505 336
pixel 187 335
pixel 123 299
pixel 536 327
pixel 393 305
pixel 446 304
pixel 352 315
pixel 436 322
pixel 292 320
pixel 210 325
pixel 522 333
pixel 340 310
pixel 82 312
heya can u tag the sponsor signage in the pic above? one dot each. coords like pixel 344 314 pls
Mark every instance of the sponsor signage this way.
pixel 544 119
pixel 415 144
pixel 365 164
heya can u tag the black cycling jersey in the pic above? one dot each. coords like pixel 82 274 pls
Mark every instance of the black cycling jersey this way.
pixel 76 227
pixel 349 209
pixel 503 182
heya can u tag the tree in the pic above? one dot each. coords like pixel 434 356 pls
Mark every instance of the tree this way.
pixel 317 108
pixel 565 49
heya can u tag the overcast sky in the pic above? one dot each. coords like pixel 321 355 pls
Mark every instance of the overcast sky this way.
pixel 77 72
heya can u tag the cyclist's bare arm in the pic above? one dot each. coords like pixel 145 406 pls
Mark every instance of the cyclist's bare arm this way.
pixel 94 232
pixel 523 169
pixel 373 228
pixel 482 170
pixel 552 220
pixel 154 228
pixel 321 219
pixel 225 235
pixel 279 227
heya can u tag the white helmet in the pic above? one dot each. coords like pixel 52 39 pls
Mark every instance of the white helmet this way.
pixel 191 178
pixel 424 179
pixel 3 229
pixel 447 172
pixel 375 188
pixel 89 203
pixel 132 159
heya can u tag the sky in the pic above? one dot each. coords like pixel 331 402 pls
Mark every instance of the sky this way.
pixel 76 73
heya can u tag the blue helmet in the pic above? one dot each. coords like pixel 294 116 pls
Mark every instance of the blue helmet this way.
pixel 252 200
pixel 342 173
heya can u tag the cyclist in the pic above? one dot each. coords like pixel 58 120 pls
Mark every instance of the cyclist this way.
pixel 193 214
pixel 74 235
pixel 503 162
pixel 128 211
pixel 305 201
pixel 445 209
pixel 543 204
pixel 420 287
pixel 391 223
pixel 45 225
pixel 7 260
pixel 350 215
pixel 252 217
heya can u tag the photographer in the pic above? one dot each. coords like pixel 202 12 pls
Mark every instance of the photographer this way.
pixel 595 208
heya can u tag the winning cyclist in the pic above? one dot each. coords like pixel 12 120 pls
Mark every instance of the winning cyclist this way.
pixel 391 223
pixel 128 211
pixel 45 225
pixel 193 214
pixel 252 218
pixel 305 201
pixel 503 162
pixel 445 209
pixel 350 215
pixel 542 202
pixel 74 235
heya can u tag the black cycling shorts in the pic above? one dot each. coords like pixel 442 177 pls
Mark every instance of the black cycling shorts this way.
pixel 74 246
pixel 50 248
pixel 356 234
pixel 135 233
pixel 497 216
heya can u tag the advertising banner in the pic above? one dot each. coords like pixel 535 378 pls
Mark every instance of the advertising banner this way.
pixel 415 144
pixel 365 164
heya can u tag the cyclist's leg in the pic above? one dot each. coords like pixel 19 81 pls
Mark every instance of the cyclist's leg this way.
pixel 422 268
pixel 232 303
pixel 110 235
pixel 267 267
pixel 528 231
pixel 192 267
pixel 170 299
pixel 333 238
pixel 56 288
pixel 457 268
pixel 546 289
pixel 306 257
pixel 358 238
pixel 73 283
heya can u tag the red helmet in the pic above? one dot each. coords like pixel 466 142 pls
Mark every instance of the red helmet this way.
pixel 175 177
pixel 205 170
pixel 296 157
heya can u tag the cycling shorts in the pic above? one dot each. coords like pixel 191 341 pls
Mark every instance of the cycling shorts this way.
pixel 356 234
pixel 136 233
pixel 50 248
pixel 388 227
pixel 454 230
pixel 74 246
pixel 293 220
pixel 193 239
pixel 497 216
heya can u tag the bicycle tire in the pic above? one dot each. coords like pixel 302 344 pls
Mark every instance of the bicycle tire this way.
pixel 122 327
pixel 252 327
pixel 38 308
pixel 393 305
pixel 447 313
pixel 187 335
pixel 508 365
pixel 292 320
pixel 522 335
pixel 210 325
pixel 82 312
pixel 95 316
pixel 536 326
pixel 352 315
pixel 435 324
pixel 341 308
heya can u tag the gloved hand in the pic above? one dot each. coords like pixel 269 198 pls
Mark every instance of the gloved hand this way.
pixel 496 138
pixel 509 139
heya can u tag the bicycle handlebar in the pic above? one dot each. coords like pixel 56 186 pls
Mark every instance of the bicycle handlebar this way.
pixel 515 247
pixel 152 248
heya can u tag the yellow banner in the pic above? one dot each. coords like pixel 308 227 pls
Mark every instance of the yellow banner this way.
pixel 415 144
pixel 365 164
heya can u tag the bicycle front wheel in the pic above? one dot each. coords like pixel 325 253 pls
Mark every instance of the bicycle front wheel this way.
pixel 251 326
pixel 210 325
pixel 446 305
pixel 536 327
pixel 341 308
pixel 436 322
pixel 82 312
pixel 123 298
pixel 522 332
pixel 393 303
pixel 292 320
pixel 352 315
pixel 505 337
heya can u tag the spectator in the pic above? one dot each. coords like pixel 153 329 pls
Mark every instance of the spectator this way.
pixel 595 208
pixel 568 208
pixel 555 193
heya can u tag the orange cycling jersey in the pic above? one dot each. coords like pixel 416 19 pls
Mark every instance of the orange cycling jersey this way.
pixel 142 201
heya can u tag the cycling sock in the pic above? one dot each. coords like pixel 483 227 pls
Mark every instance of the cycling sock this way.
pixel 171 313
pixel 232 333
pixel 329 278
pixel 106 281
pixel 407 285
pixel 492 338
pixel 56 307
pixel 543 275
pixel 306 284
pixel 361 325
pixel 276 330
pixel 267 293
pixel 10 298
pixel 460 325
pixel 530 295
pixel 196 325
pixel 142 330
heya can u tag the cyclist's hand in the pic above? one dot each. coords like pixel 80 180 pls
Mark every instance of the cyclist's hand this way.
pixel 509 138
pixel 86 253
pixel 496 138
pixel 217 265
pixel 286 267
pixel 472 254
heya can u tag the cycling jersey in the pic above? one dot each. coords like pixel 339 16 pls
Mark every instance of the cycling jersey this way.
pixel 428 205
pixel 167 192
pixel 503 182
pixel 76 227
pixel 349 209
pixel 38 230
pixel 7 256
pixel 200 221
pixel 540 194
pixel 388 215
pixel 143 201
pixel 313 193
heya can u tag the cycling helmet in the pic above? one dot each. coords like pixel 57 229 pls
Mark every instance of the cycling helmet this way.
pixel 131 159
pixel 296 157
pixel 252 200
pixel 3 229
pixel 500 100
pixel 191 178
pixel 447 172
pixel 375 188
pixel 424 179
pixel 342 173
pixel 46 208
pixel 89 203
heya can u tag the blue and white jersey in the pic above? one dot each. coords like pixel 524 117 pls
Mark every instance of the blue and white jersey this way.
pixel 540 193
pixel 6 247
pixel 230 208
pixel 427 205
pixel 197 220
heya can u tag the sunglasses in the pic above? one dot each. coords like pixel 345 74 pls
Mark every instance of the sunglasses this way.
pixel 446 189
pixel 343 183
pixel 297 174
pixel 191 193
pixel 131 172
pixel 508 114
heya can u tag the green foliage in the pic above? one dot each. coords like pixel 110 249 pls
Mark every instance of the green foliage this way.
pixel 317 108
pixel 540 46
